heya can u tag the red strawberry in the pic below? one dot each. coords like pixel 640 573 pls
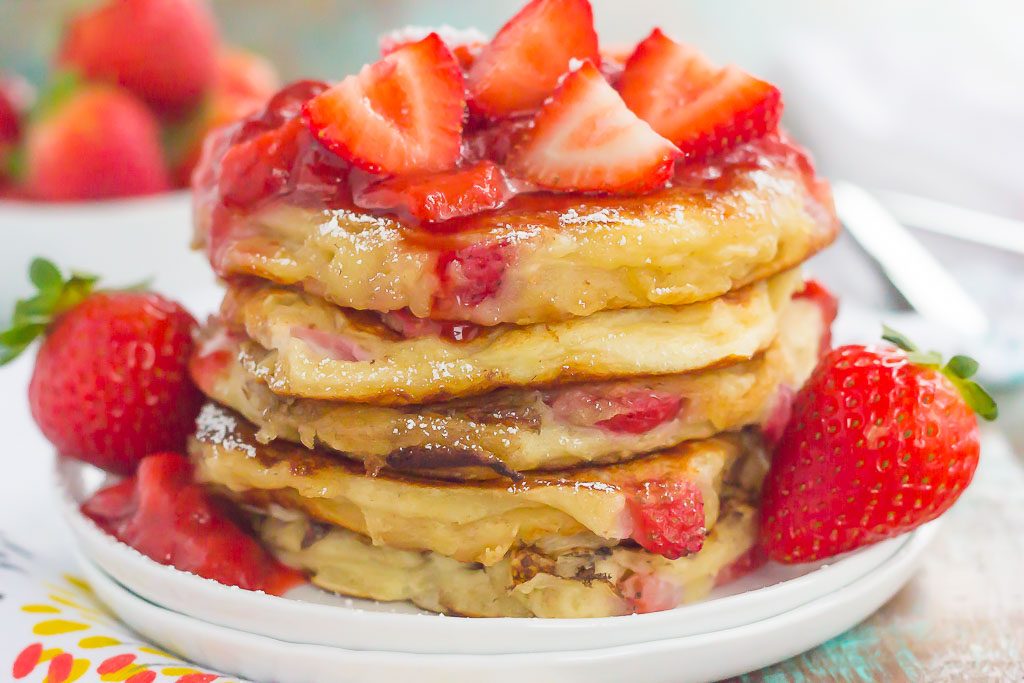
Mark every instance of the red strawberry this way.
pixel 164 51
pixel 400 115
pixel 10 119
pixel 95 142
pixel 702 109
pixel 472 274
pixel 881 441
pixel 585 138
pixel 11 108
pixel 465 44
pixel 110 383
pixel 668 517
pixel 164 515
pixel 437 197
pixel 523 63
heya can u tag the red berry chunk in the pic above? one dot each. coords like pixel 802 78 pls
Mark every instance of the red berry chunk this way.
pixel 641 411
pixel 439 197
pixel 668 517
pixel 472 275
pixel 272 153
pixel 164 515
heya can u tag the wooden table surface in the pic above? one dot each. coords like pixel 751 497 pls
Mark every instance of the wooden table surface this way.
pixel 961 618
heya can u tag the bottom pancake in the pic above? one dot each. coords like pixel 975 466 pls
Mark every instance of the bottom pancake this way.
pixel 556 578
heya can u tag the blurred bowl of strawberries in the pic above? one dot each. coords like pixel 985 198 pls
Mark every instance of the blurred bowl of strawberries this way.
pixel 95 162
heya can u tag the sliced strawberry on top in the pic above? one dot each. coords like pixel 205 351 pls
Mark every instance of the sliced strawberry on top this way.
pixel 465 43
pixel 668 517
pixel 702 109
pixel 434 197
pixel 585 138
pixel 523 63
pixel 402 114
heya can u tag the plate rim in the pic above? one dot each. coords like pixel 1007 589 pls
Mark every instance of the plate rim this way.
pixel 211 598
pixel 876 588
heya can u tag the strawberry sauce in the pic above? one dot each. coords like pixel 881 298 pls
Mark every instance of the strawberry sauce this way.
pixel 165 516
pixel 487 155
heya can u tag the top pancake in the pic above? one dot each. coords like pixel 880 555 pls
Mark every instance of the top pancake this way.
pixel 544 257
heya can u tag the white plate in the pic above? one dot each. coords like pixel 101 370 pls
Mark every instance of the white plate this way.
pixel 311 616
pixel 125 241
pixel 704 657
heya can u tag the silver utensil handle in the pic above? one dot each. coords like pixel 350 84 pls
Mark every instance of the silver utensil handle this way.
pixel 911 268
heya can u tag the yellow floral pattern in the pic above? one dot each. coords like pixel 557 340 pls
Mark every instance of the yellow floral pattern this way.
pixel 72 609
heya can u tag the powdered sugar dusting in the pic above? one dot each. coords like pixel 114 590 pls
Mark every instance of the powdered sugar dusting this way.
pixel 216 426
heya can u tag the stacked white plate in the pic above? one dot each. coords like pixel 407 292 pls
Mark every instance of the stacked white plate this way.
pixel 308 635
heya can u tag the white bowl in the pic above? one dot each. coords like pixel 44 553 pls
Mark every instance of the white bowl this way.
pixel 124 241
pixel 311 616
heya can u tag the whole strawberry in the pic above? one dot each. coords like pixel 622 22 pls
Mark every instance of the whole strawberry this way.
pixel 110 384
pixel 92 142
pixel 881 441
pixel 164 51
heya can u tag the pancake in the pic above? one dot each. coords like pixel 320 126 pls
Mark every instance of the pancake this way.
pixel 468 521
pixel 509 431
pixel 543 257
pixel 306 347
pixel 562 579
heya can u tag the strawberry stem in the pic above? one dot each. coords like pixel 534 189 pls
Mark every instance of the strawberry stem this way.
pixel 959 370
pixel 32 316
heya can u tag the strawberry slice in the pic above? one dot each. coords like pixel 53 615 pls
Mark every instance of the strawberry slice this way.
pixel 529 54
pixel 668 517
pixel 402 114
pixel 471 275
pixel 585 138
pixel 641 411
pixel 465 43
pixel 164 515
pixel 435 197
pixel 702 109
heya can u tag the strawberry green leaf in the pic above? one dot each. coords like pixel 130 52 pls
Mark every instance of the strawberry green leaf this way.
pixel 958 370
pixel 44 274
pixel 977 398
pixel 32 316
pixel 61 86
pixel 898 339
pixel 964 367
pixel 925 358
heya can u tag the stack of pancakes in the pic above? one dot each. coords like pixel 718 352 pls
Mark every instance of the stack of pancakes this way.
pixel 555 410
